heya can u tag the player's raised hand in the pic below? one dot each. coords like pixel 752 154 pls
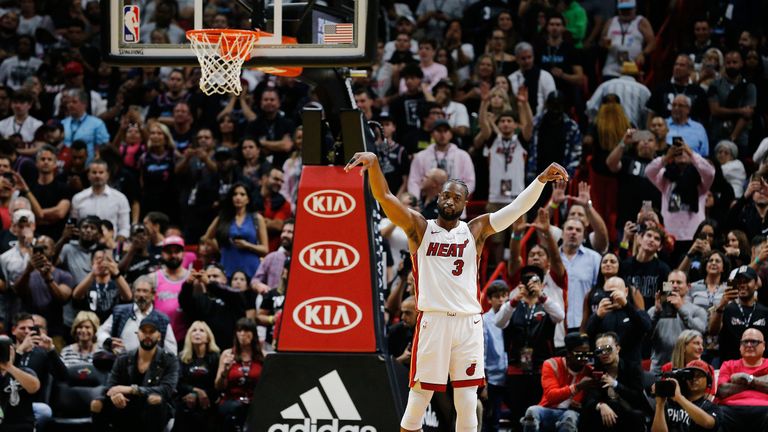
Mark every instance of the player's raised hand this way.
pixel 554 172
pixel 364 159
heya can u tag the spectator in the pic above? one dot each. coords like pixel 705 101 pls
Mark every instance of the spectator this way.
pixel 21 122
pixel 617 313
pixel 681 126
pixel 702 41
pixel 433 16
pixel 538 81
pixel 617 403
pixel 140 387
pixel 116 334
pixel 254 165
pixel 271 306
pixel 164 19
pixel 727 154
pixel 609 267
pixel 168 280
pixel 206 297
pixel 663 98
pixel 272 205
pixel 528 321
pixel 419 139
pixel 79 125
pixel 497 47
pixel 632 94
pixel 433 72
pixel 748 213
pixel 16 69
pixel 102 201
pixel 272 128
pixel 732 101
pixel 52 194
pixel 462 54
pixel 670 316
pixel 401 333
pixel 628 37
pixel 19 416
pixel 137 260
pixel 35 350
pixel 630 167
pixel 84 333
pixel 456 162
pixel 14 261
pixel 708 292
pixel 239 371
pixel 689 408
pixel 546 256
pixel 102 288
pixel 455 112
pixel 197 372
pixel 241 235
pixel 689 346
pixel 581 265
pixel 431 186
pixel 705 237
pixel 741 385
pixel 495 358
pixel 737 248
pixel 393 159
pixel 556 138
pixel 644 270
pixel 560 58
pixel 267 277
pixel 563 380
pixel 43 288
pixel 157 172
pixel 403 48
pixel 737 311
pixel 683 177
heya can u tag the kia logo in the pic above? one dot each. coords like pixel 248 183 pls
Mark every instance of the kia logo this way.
pixel 329 203
pixel 327 315
pixel 329 257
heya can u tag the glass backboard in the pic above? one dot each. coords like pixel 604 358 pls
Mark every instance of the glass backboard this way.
pixel 310 33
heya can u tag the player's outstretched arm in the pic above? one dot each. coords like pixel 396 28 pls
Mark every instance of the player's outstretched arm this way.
pixel 411 222
pixel 500 220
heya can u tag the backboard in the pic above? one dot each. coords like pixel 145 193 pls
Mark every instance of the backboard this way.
pixel 309 33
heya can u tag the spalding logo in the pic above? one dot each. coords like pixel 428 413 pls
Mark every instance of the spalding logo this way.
pixel 329 203
pixel 329 257
pixel 327 315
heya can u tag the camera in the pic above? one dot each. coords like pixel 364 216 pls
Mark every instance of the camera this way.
pixel 6 344
pixel 38 249
pixel 667 310
pixel 9 176
pixel 666 388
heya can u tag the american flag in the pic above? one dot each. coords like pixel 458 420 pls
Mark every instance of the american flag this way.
pixel 338 33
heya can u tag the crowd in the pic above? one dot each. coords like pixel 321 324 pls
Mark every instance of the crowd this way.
pixel 147 228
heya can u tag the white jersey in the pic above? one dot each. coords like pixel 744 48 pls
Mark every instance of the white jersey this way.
pixel 445 270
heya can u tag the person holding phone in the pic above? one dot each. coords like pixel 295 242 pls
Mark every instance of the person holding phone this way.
pixel 616 402
pixel 103 288
pixel 685 131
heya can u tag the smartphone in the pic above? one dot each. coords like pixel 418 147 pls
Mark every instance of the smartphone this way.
pixel 72 221
pixel 197 265
pixel 647 207
pixel 677 141
pixel 34 330
pixel 666 287
pixel 597 375
pixel 38 249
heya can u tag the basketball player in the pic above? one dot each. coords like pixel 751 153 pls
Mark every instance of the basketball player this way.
pixel 448 339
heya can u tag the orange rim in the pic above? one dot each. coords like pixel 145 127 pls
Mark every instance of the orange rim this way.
pixel 231 40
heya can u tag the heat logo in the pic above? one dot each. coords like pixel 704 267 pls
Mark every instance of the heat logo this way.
pixel 327 315
pixel 329 203
pixel 131 23
pixel 329 257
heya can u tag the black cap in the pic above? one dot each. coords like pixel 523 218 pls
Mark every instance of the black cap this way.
pixel 384 116
pixel 743 272
pixel 538 271
pixel 440 122
pixel 443 83
pixel 575 339
pixel 151 319
pixel 222 153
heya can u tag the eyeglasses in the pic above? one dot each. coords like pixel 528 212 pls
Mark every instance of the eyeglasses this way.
pixel 751 342
pixel 604 350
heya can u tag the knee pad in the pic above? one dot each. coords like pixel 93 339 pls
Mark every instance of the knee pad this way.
pixel 465 401
pixel 418 399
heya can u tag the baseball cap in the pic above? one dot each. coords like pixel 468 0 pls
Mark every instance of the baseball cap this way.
pixel 743 271
pixel 151 320
pixel 443 83
pixel 173 241
pixel 629 68
pixel 699 365
pixel 538 271
pixel 20 214
pixel 407 18
pixel 73 68
pixel 626 4
pixel 440 122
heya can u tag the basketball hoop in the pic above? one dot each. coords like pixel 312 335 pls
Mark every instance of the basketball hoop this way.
pixel 221 53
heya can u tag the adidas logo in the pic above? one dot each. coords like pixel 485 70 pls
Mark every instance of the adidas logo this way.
pixel 315 410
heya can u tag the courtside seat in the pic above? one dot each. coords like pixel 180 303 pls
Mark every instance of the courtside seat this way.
pixel 71 399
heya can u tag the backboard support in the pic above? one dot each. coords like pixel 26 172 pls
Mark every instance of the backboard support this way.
pixel 332 33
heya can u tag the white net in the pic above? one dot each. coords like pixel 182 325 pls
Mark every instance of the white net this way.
pixel 221 54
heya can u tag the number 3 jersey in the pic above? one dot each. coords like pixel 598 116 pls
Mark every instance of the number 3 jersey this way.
pixel 445 271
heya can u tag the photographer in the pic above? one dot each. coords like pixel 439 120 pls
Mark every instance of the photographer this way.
pixel 689 409
pixel 616 403
pixel 20 382
pixel 529 319
pixel 672 314
pixel 619 314
pixel 737 311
